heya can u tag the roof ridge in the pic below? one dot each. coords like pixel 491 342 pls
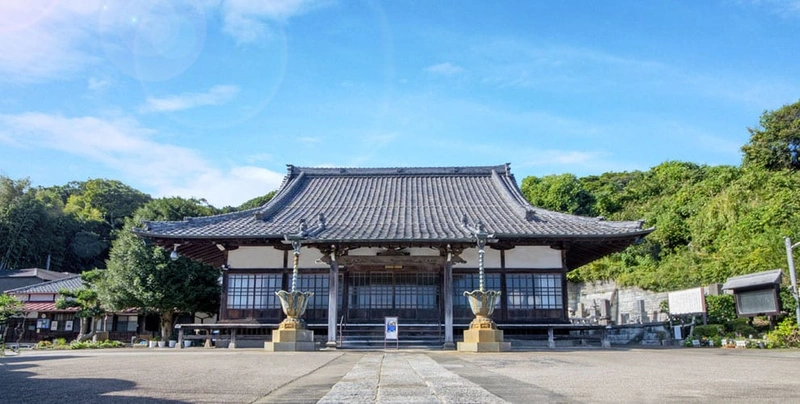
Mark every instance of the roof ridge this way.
pixel 525 212
pixel 351 171
pixel 287 190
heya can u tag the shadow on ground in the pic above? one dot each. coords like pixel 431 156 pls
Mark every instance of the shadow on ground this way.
pixel 20 386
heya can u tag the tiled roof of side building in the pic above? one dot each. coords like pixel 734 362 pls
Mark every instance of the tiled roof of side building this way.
pixel 40 273
pixel 396 204
pixel 72 282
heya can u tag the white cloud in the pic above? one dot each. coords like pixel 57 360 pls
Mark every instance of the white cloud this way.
pixel 44 40
pixel 96 84
pixel 520 64
pixel 217 95
pixel 782 8
pixel 149 40
pixel 445 69
pixel 247 21
pixel 124 146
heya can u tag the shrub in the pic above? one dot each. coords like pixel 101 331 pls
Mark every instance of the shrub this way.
pixel 708 331
pixel 721 309
pixel 96 345
pixel 77 345
pixel 785 335
pixel 740 328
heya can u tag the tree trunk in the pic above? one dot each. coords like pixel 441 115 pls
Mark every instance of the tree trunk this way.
pixel 167 319
pixel 3 340
pixel 84 334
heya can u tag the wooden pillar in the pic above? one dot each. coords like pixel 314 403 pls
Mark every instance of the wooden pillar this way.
pixel 333 301
pixel 447 290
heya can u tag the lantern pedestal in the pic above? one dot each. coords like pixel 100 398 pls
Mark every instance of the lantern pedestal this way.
pixel 291 340
pixel 483 335
pixel 292 334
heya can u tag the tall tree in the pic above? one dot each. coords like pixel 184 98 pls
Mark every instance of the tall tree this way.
pixel 108 200
pixel 775 145
pixel 143 276
pixel 563 193
pixel 86 300
pixel 9 307
pixel 28 231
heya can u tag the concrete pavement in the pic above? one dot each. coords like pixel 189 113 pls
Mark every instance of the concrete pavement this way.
pixel 248 375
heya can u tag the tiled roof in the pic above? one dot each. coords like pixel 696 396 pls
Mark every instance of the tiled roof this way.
pixel 42 274
pixel 767 278
pixel 408 206
pixel 394 204
pixel 45 307
pixel 72 282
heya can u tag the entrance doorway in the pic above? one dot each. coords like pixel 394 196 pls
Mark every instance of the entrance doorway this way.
pixel 414 297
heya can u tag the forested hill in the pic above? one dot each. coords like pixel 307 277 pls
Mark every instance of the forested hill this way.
pixel 711 222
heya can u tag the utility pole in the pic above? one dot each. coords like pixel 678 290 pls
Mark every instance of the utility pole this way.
pixel 790 259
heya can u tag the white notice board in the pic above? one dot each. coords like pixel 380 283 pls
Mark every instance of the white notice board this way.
pixel 391 328
pixel 690 301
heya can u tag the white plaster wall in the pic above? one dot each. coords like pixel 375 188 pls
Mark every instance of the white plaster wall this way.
pixel 255 257
pixel 533 257
pixel 365 251
pixel 428 252
pixel 309 258
pixel 491 258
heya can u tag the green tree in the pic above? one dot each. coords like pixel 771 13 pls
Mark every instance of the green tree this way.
pixel 28 231
pixel 109 201
pixel 561 193
pixel 775 145
pixel 257 201
pixel 10 307
pixel 721 309
pixel 87 301
pixel 143 276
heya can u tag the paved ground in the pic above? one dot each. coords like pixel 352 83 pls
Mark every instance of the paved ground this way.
pixel 250 375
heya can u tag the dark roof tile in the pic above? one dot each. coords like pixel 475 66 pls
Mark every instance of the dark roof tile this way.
pixel 395 204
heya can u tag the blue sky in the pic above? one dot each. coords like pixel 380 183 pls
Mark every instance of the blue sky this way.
pixel 212 99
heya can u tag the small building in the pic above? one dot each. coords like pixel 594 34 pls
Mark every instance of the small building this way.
pixel 17 278
pixel 42 320
pixel 381 242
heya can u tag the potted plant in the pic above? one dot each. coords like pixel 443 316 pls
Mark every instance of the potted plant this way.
pixel 161 343
pixel 153 342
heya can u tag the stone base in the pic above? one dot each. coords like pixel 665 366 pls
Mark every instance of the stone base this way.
pixel 484 346
pixel 483 340
pixel 291 340
pixel 289 346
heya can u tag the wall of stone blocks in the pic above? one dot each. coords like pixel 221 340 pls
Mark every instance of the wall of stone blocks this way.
pixel 628 305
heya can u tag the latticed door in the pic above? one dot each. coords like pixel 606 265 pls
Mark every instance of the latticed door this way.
pixel 414 297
